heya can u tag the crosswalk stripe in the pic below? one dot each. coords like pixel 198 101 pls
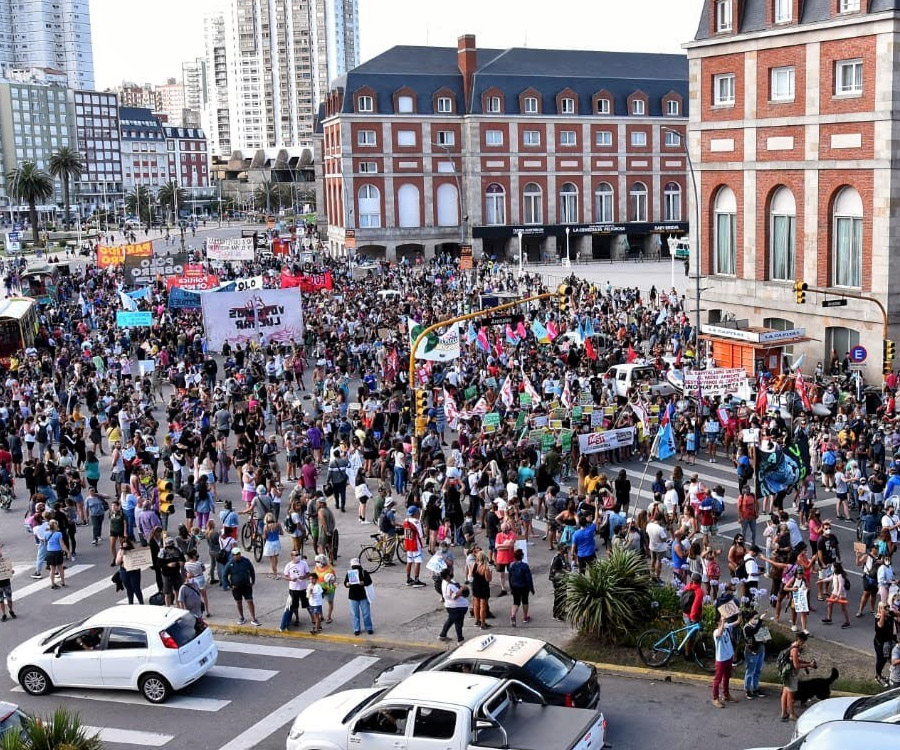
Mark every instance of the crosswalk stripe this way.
pixel 243 673
pixel 263 650
pixel 129 736
pixel 264 728
pixel 147 591
pixel 44 583
pixel 20 567
pixel 186 702
pixel 77 596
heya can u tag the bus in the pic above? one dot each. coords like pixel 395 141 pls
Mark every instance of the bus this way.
pixel 40 281
pixel 18 325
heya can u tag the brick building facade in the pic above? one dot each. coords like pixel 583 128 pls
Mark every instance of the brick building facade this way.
pixel 793 120
pixel 575 152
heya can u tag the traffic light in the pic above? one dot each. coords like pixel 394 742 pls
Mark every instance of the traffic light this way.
pixel 166 496
pixel 564 292
pixel 888 354
pixel 421 402
pixel 421 426
pixel 800 288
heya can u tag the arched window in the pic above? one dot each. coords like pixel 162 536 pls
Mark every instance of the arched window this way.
pixel 447 205
pixel 494 204
pixel 568 203
pixel 532 204
pixel 408 206
pixel 672 202
pixel 725 214
pixel 369 207
pixel 603 197
pixel 783 238
pixel 638 196
pixel 847 239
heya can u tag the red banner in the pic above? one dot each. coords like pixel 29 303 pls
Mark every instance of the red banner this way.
pixel 192 282
pixel 308 282
pixel 280 246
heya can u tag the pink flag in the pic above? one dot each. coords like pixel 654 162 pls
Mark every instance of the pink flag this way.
pixel 451 410
pixel 552 331
pixel 482 340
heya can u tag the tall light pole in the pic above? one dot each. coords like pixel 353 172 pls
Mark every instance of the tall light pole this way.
pixel 568 256
pixel 521 255
pixel 696 235
pixel 459 194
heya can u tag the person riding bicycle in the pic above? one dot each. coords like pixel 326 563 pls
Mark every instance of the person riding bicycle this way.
pixel 259 506
pixel 387 524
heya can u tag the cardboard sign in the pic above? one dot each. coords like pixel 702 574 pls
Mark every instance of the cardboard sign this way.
pixel 6 568
pixel 541 421
pixel 490 422
pixel 858 547
pixel 138 559
pixel 556 424
pixel 585 398
pixel 535 437
pixel 565 440
pixel 525 400
pixel 801 601
pixel 729 609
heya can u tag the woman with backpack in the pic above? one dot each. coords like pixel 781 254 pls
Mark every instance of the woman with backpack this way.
pixel 789 665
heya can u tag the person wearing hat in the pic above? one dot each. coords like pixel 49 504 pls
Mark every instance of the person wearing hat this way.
pixel 240 576
pixel 414 544
pixel 170 562
pixel 357 581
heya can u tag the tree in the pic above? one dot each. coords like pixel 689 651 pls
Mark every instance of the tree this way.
pixel 60 731
pixel 170 197
pixel 138 203
pixel 66 165
pixel 265 196
pixel 31 185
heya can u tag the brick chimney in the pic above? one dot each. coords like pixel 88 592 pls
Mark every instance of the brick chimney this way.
pixel 466 57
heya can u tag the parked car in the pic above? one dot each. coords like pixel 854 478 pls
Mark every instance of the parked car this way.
pixel 884 707
pixel 155 650
pixel 845 735
pixel 560 679
pixel 11 718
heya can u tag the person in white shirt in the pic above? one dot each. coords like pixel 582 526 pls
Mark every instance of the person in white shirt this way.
pixel 889 521
pixel 658 540
pixel 296 572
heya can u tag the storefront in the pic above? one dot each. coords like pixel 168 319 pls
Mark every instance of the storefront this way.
pixel 755 349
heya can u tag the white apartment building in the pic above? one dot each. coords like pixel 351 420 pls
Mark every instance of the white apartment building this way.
pixel 171 101
pixel 193 78
pixel 215 112
pixel 145 159
pixel 48 34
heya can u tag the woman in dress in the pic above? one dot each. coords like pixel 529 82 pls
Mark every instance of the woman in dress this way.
pixel 272 532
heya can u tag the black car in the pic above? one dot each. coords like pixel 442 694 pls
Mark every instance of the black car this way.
pixel 562 680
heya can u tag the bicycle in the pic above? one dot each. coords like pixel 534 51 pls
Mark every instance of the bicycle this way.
pixel 374 556
pixel 656 647
pixel 251 539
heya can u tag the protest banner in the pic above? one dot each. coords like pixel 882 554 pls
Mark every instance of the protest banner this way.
pixel 535 437
pixel 585 398
pixel 194 279
pixel 143 268
pixel 251 282
pixel 548 441
pixel 110 256
pixel 718 381
pixel 138 558
pixel 556 424
pixel 126 319
pixel 308 282
pixel 597 442
pixel 181 299
pixel 239 317
pixel 434 347
pixel 234 248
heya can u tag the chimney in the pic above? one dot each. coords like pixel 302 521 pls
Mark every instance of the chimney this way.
pixel 466 57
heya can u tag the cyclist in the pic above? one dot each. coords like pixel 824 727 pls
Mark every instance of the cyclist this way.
pixel 387 524
pixel 692 609
pixel 259 506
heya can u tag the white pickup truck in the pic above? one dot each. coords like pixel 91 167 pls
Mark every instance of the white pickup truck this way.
pixel 625 377
pixel 445 711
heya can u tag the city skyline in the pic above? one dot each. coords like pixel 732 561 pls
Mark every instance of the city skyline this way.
pixel 173 34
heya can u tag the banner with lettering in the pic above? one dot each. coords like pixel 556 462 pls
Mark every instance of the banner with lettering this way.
pixel 235 248
pixel 110 256
pixel 182 299
pixel 308 282
pixel 254 315
pixel 143 268
pixel 194 279
pixel 597 442
pixel 717 381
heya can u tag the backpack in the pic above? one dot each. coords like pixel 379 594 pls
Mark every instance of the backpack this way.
pixel 566 536
pixel 384 524
pixel 783 662
pixel 718 506
pixel 289 524
pixel 686 600
pixel 741 571
pixel 745 471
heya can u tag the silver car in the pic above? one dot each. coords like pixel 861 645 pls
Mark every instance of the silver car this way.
pixel 884 707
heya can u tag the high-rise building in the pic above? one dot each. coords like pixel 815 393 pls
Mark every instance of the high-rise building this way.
pixel 277 58
pixel 138 95
pixel 193 78
pixel 171 101
pixel 97 138
pixel 145 159
pixel 48 34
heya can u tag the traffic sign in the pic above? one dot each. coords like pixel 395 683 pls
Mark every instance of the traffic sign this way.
pixel 858 354
pixel 835 302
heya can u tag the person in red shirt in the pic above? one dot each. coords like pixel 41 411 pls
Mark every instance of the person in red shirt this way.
pixel 696 612
pixel 505 553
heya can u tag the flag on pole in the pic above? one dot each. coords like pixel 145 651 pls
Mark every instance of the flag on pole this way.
pixel 128 303
pixel 471 334
pixel 800 387
pixel 520 330
pixel 663 444
pixel 481 407
pixel 631 356
pixel 552 331
pixel 667 414
pixel 640 411
pixel 481 339
pixel 529 389
pixel 566 396
pixel 540 333
pixel 451 410
pixel 506 393
pixel 589 349
pixel 580 331
pixel 511 337
pixel 589 327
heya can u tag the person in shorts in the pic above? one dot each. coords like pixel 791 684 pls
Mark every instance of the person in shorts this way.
pixel 6 598
pixel 413 543
pixel 314 593
pixel 240 575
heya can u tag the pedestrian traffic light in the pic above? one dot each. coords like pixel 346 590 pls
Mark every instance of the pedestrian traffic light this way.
pixel 800 288
pixel 421 401
pixel 164 488
pixel 564 292
pixel 421 426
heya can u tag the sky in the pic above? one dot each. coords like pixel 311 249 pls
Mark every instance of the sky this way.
pixel 147 42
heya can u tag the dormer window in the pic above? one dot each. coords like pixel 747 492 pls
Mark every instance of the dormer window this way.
pixel 638 107
pixel 365 104
pixel 531 105
pixel 783 11
pixel 724 14
pixel 567 106
pixel 493 105
pixel 444 105
pixel 672 108
pixel 848 6
pixel 405 104
pixel 603 107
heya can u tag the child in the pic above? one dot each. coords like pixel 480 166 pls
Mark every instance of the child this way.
pixel 839 586
pixel 521 585
pixel 315 593
pixel 363 493
pixel 712 571
pixel 445 531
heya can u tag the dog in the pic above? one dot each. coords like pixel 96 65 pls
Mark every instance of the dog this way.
pixel 815 687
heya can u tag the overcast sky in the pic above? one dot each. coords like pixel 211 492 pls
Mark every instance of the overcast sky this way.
pixel 148 41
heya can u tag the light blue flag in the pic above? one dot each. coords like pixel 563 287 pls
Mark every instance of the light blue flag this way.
pixel 589 327
pixel 471 334
pixel 661 318
pixel 664 445
pixel 540 333
pixel 127 302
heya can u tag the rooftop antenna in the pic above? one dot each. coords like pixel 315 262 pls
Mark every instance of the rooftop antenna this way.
pixel 526 38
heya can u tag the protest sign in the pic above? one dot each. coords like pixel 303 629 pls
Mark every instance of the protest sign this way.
pixel 525 400
pixel 234 248
pixel 717 381
pixel 143 268
pixel 6 568
pixel 125 319
pixel 110 256
pixel 490 422
pixel 138 558
pixel 239 317
pixel 597 442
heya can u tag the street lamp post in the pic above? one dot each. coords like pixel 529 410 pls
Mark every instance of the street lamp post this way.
pixel 568 255
pixel 459 194
pixel 696 233
pixel 521 255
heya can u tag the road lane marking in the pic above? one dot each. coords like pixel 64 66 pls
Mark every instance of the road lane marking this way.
pixel 186 702
pixel 44 583
pixel 263 650
pixel 243 673
pixel 251 737
pixel 129 736
pixel 147 591
pixel 77 596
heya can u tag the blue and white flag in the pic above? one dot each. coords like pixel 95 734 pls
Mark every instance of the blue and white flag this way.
pixel 664 443
pixel 127 302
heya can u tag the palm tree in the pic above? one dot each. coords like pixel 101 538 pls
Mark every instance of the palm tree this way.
pixel 60 731
pixel 266 196
pixel 32 185
pixel 170 196
pixel 137 202
pixel 66 165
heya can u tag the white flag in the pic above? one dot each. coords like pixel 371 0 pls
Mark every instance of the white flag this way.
pixel 506 393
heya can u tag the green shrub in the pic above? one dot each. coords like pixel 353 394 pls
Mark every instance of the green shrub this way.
pixel 62 730
pixel 665 601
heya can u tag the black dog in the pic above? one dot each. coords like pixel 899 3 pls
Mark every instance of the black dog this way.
pixel 817 687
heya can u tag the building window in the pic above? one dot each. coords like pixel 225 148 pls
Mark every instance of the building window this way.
pixel 567 138
pixel 847 239
pixel 673 140
pixel 531 105
pixel 672 202
pixel 444 105
pixel 839 341
pixel 723 15
pixel 725 215
pixel 365 104
pixel 603 107
pixel 368 167
pixel 446 138
pixel 638 202
pixel 493 138
pixel 493 105
pixel 365 138
pixel 638 138
pixel 405 104
pixel 532 204
pixel 848 78
pixel 567 106
pixel 406 138
pixel 369 207
pixel 672 108
pixel 603 197
pixel 447 205
pixel 638 107
pixel 783 230
pixel 723 90
pixel 531 138
pixel 568 204
pixel 782 84
pixel 783 11
pixel 848 6
pixel 408 206
pixel 494 205
pixel 603 138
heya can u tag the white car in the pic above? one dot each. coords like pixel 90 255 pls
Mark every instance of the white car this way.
pixel 884 707
pixel 155 650
pixel 846 735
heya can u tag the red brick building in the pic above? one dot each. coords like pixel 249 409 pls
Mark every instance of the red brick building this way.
pixel 188 156
pixel 564 151
pixel 792 123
